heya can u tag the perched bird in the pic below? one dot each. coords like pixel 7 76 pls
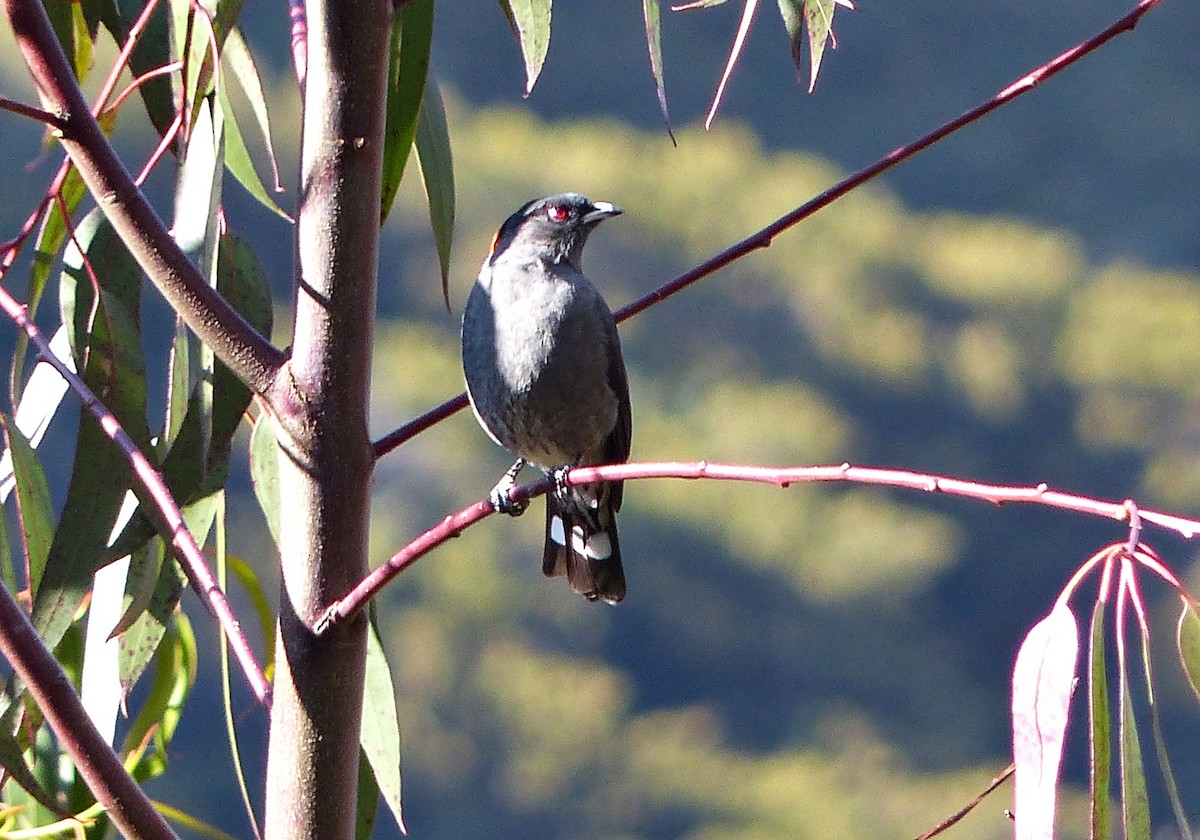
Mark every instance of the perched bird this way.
pixel 544 372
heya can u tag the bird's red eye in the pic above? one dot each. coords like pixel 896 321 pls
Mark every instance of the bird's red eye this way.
pixel 557 213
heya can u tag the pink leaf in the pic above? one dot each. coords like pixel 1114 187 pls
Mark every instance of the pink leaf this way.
pixel 1042 683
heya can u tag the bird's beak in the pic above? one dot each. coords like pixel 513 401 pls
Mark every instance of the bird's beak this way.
pixel 601 210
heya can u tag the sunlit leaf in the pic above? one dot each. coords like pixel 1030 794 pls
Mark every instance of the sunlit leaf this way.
pixel 264 471
pixel 1100 739
pixel 652 16
pixel 174 676
pixel 198 191
pixel 262 606
pixel 380 737
pixel 239 64
pixel 819 16
pixel 40 400
pixel 696 4
pixel 739 40
pixel 100 688
pixel 63 20
pixel 530 20
pixel 1135 804
pixel 194 825
pixel 408 68
pixel 1042 682
pixel 34 509
pixel 1187 638
pixel 437 175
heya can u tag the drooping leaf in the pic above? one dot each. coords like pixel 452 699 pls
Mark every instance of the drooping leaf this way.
pixel 380 737
pixel 174 677
pixel 739 40
pixel 1160 744
pixel 239 64
pixel 106 343
pixel 1100 723
pixel 40 401
pixel 437 175
pixel 367 805
pixel 1042 681
pixel 264 471
pixel 198 191
pixel 651 15
pixel 34 509
pixel 188 473
pixel 530 20
pixel 408 68
pixel 819 16
pixel 63 19
pixel 1187 640
pixel 262 607
pixel 100 688
pixel 1135 803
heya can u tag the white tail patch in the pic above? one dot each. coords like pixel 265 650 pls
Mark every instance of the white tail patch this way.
pixel 598 547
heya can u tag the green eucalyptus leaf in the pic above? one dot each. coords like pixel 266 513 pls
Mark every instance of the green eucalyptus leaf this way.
pixel 408 67
pixel 264 471
pixel 1135 803
pixel 380 738
pixel 651 13
pixel 102 323
pixel 437 175
pixel 239 64
pixel 530 21
pixel 1100 722
pixel 34 507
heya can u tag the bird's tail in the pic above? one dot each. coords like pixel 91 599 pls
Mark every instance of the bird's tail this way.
pixel 581 542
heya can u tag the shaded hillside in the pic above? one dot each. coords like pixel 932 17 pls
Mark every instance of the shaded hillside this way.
pixel 1105 150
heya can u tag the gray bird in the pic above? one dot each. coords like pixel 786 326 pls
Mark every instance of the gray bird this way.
pixel 546 380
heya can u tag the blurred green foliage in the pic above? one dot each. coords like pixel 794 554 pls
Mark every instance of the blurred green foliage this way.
pixel 813 662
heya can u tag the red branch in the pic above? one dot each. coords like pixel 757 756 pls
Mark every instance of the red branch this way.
pixel 456 523
pixel 764 237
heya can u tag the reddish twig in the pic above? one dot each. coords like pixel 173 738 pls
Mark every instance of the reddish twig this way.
pixel 53 120
pixel 782 477
pixel 151 479
pixel 766 235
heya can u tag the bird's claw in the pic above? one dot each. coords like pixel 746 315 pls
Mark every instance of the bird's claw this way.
pixel 561 489
pixel 499 497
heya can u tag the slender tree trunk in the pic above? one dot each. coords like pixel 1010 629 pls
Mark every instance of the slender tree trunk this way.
pixel 325 469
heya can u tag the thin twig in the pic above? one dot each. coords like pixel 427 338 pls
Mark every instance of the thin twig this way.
pixel 958 815
pixel 53 120
pixel 766 235
pixel 783 477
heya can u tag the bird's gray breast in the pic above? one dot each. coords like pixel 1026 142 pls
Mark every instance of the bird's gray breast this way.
pixel 536 349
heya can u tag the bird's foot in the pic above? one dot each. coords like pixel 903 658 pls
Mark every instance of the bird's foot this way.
pixel 562 491
pixel 499 494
